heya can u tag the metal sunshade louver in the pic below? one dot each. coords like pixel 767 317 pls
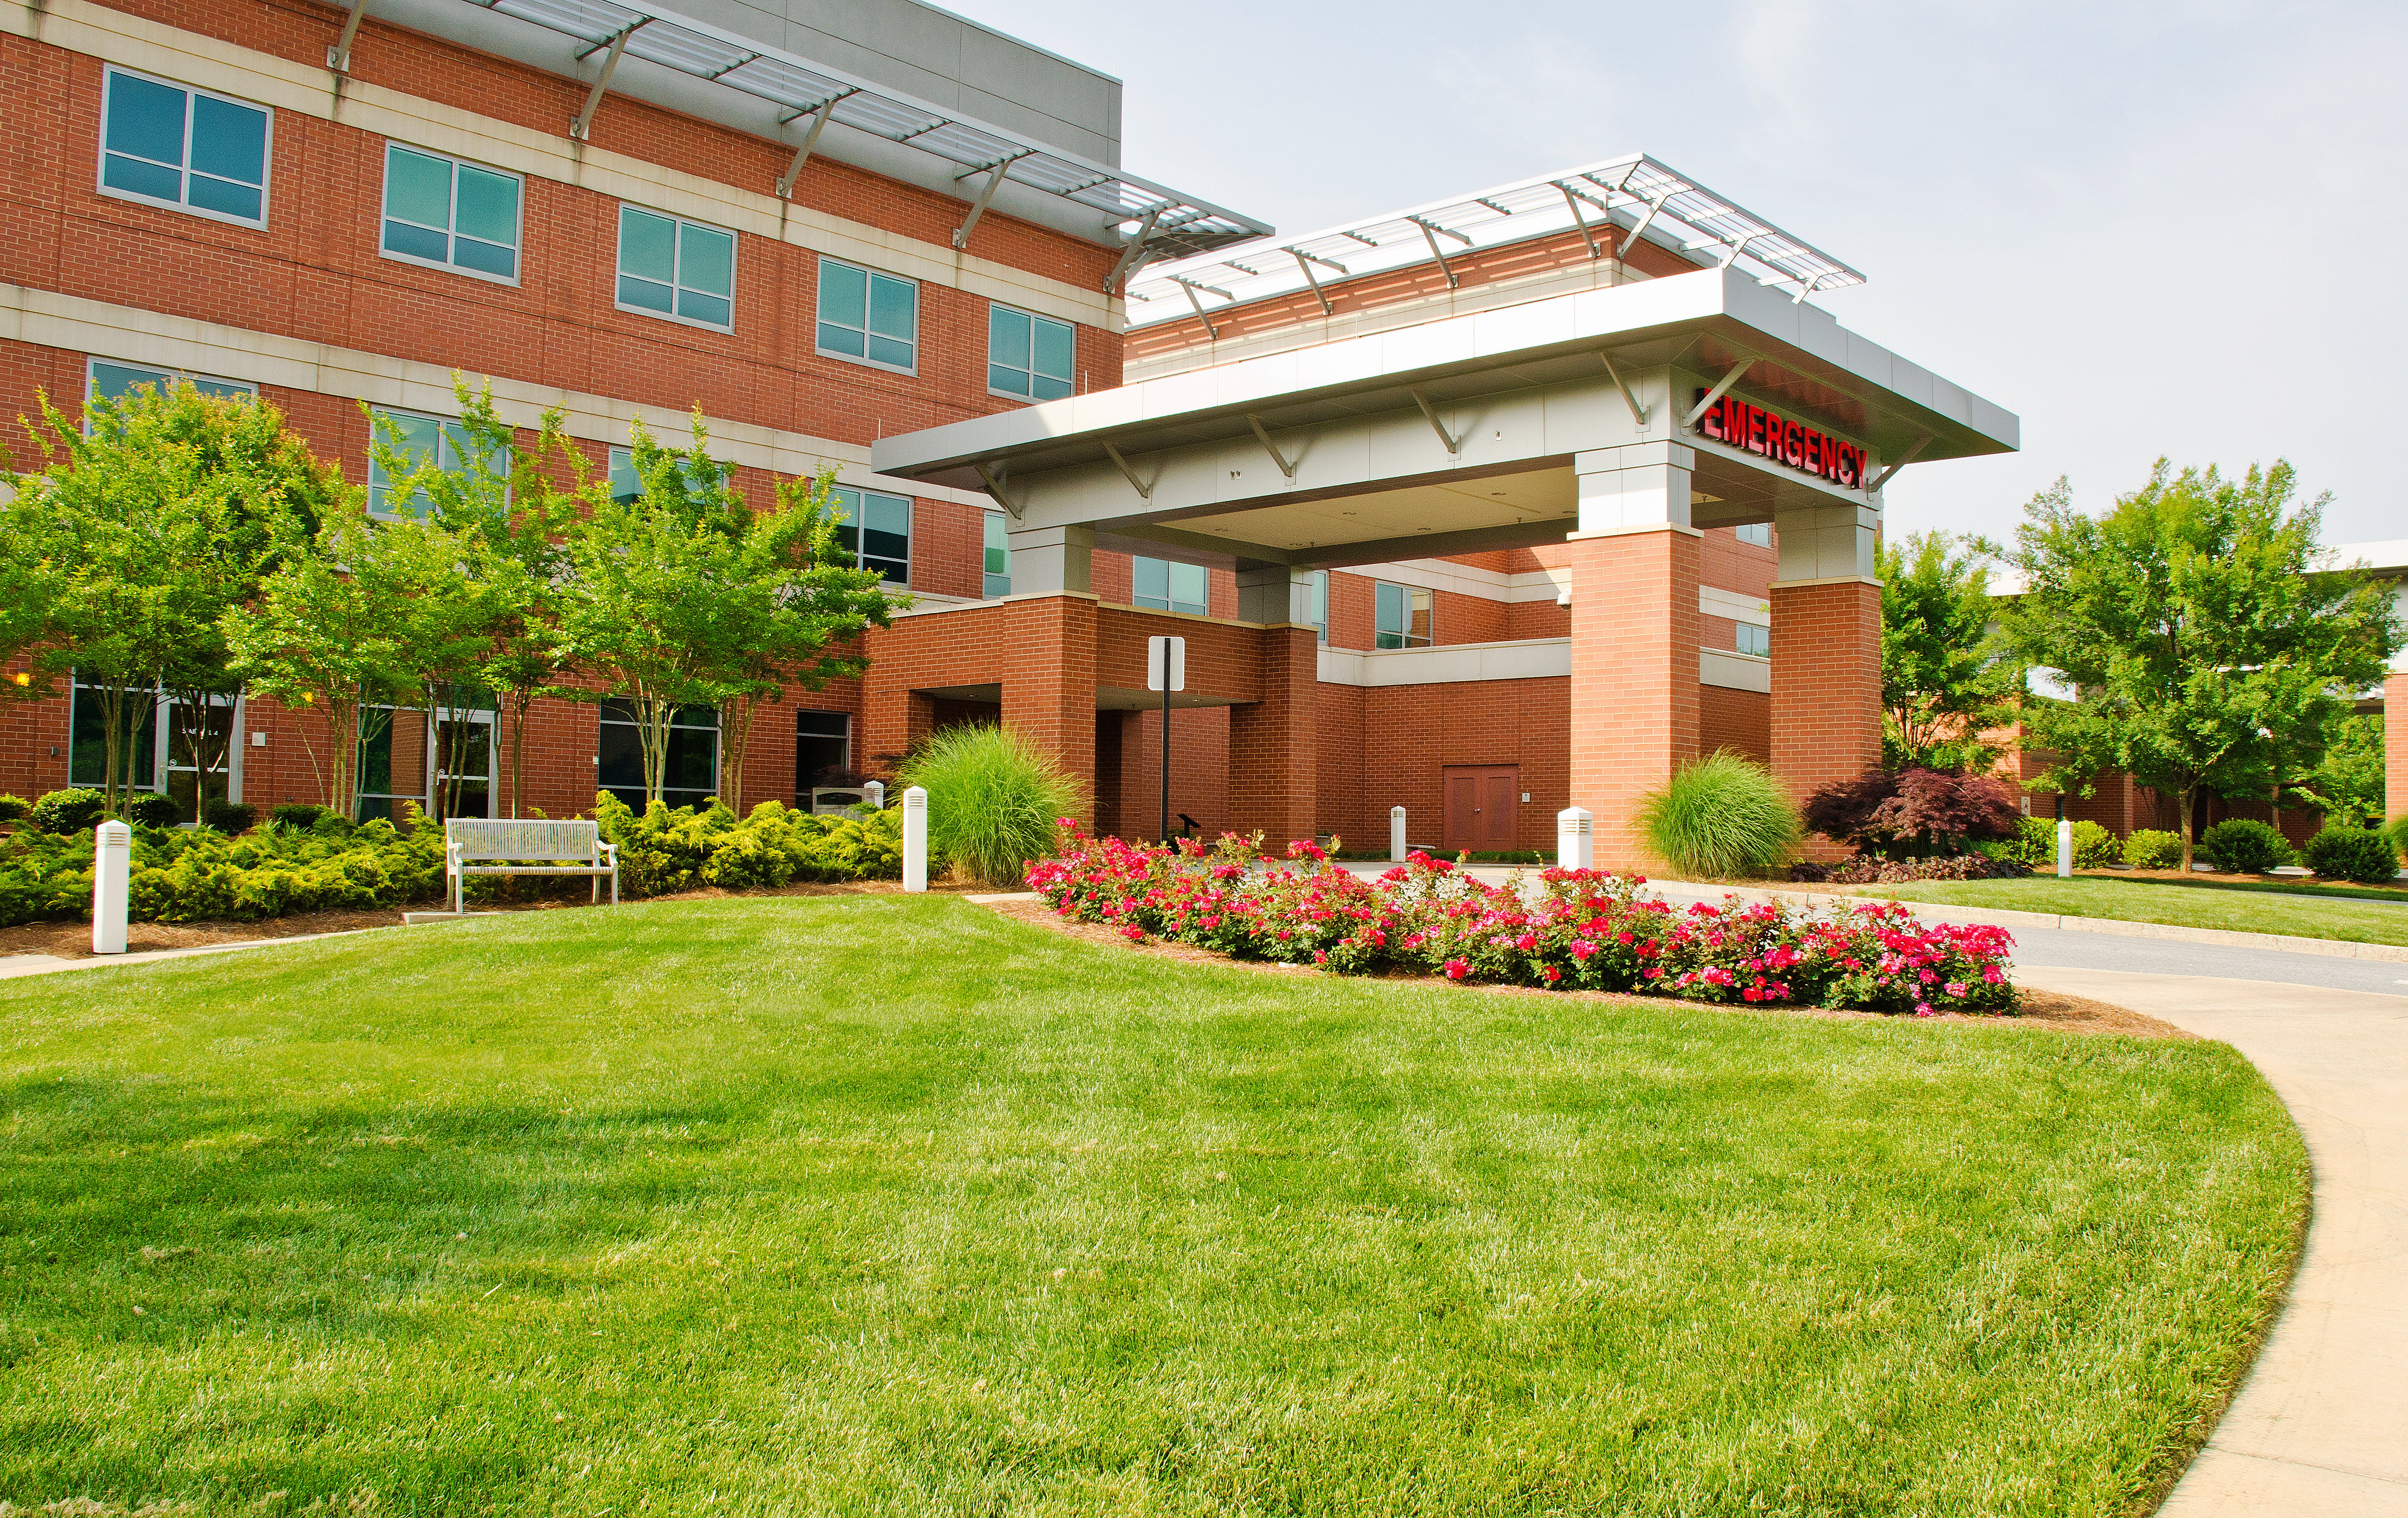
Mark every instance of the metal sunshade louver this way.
pixel 1183 225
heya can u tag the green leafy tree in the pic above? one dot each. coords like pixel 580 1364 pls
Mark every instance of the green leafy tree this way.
pixel 2197 628
pixel 684 595
pixel 152 516
pixel 515 503
pixel 350 630
pixel 2348 783
pixel 1946 677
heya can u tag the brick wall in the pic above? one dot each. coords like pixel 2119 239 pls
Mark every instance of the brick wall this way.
pixel 1634 686
pixel 1826 687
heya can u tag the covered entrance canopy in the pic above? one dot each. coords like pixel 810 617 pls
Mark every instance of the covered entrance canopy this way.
pixel 1490 430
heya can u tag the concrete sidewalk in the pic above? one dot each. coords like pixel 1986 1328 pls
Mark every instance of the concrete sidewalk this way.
pixel 2321 1426
pixel 12 966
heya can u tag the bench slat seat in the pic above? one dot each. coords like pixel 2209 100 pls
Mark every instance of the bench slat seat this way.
pixel 571 847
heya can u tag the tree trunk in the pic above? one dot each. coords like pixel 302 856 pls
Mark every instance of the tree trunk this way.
pixel 2186 793
pixel 518 750
pixel 735 737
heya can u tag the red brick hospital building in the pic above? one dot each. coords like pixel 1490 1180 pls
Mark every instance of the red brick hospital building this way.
pixel 1485 508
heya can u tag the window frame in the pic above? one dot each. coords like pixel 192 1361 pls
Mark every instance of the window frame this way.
pixel 677 269
pixel 718 747
pixel 1739 639
pixel 1170 601
pixel 987 577
pixel 1321 606
pixel 444 427
pixel 1070 381
pixel 1741 533
pixel 819 288
pixel 450 232
pixel 266 151
pixel 1405 635
pixel 168 378
pixel 858 510
pixel 156 723
pixel 803 791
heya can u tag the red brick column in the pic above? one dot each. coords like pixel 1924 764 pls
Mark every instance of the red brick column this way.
pixel 1274 743
pixel 1049 686
pixel 1634 686
pixel 1120 769
pixel 1827 719
pixel 2395 745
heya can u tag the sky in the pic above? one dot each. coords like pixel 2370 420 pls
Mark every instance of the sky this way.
pixel 2147 230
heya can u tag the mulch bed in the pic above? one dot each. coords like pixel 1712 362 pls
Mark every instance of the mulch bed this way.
pixel 2042 1009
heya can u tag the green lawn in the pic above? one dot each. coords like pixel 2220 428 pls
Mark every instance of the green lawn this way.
pixel 885 1205
pixel 2244 909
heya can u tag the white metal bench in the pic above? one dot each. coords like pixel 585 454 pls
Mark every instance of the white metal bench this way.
pixel 566 847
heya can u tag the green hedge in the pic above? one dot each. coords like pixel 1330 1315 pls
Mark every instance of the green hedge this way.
pixel 189 875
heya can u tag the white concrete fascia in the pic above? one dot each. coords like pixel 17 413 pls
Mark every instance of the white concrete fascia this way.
pixel 131 335
pixel 1753 609
pixel 1449 664
pixel 114 36
pixel 1734 671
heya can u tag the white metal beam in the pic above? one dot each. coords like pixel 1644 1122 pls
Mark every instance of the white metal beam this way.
pixel 819 115
pixel 1721 386
pixel 339 57
pixel 584 122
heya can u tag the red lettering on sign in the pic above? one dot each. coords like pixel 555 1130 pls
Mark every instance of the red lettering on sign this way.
pixel 1766 434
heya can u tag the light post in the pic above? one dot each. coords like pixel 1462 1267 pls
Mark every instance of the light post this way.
pixel 112 868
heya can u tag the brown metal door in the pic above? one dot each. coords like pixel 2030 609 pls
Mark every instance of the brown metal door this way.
pixel 1483 806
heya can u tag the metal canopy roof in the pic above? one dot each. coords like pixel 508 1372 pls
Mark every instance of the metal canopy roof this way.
pixel 699 51
pixel 1634 193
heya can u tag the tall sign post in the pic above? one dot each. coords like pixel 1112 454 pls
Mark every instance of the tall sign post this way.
pixel 1165 670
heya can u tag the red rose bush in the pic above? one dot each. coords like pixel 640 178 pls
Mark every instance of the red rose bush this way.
pixel 1582 930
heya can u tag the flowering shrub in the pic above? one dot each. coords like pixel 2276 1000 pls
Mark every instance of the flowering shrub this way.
pixel 1867 869
pixel 1582 930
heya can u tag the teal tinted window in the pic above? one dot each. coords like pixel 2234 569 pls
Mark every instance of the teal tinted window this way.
pixel 1029 357
pixel 676 268
pixel 998 580
pixel 138 753
pixel 199 153
pixel 874 317
pixel 1321 604
pixel 1754 639
pixel 114 381
pixel 877 530
pixel 437 210
pixel 1401 617
pixel 420 440
pixel 1166 586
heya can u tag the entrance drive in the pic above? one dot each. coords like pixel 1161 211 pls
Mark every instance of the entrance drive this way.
pixel 1483 808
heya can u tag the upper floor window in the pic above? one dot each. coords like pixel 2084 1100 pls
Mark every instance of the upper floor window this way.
pixel 877 530
pixel 173 146
pixel 111 380
pixel 1755 640
pixel 1400 616
pixel 871 316
pixel 420 440
pixel 676 268
pixel 1166 586
pixel 1758 533
pixel 1028 356
pixel 1321 604
pixel 451 215
pixel 625 484
pixel 998 580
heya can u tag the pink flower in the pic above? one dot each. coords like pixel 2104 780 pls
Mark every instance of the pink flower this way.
pixel 1955 988
pixel 1456 969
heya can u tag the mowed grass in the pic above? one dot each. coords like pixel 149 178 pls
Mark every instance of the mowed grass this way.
pixel 884 1205
pixel 2242 908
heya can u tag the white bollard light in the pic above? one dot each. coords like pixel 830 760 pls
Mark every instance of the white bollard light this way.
pixel 2064 848
pixel 112 866
pixel 1575 839
pixel 874 792
pixel 1396 835
pixel 916 839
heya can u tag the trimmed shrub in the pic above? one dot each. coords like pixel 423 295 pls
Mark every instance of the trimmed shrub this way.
pixel 228 817
pixel 1914 815
pixel 303 815
pixel 1720 815
pixel 2034 845
pixel 2353 853
pixel 151 809
pixel 75 809
pixel 13 808
pixel 2151 848
pixel 2249 847
pixel 671 849
pixel 994 802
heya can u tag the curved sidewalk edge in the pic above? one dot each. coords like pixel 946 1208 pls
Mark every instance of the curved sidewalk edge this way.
pixel 1998 917
pixel 14 966
pixel 2321 1425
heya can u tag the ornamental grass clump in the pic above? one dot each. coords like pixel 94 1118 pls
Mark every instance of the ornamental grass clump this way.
pixel 1582 930
pixel 1720 816
pixel 993 800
